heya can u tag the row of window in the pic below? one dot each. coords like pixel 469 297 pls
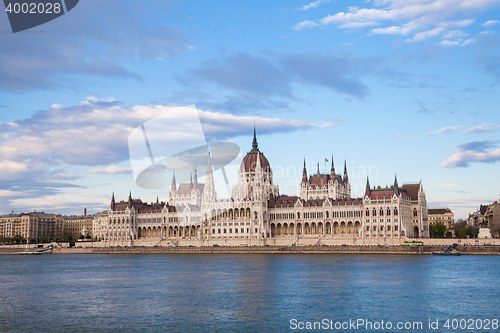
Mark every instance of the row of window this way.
pixel 381 228
pixel 381 220
pixel 231 224
pixel 225 231
pixel 381 212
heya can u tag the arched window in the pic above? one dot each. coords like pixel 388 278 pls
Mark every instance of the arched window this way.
pixel 388 211
pixel 374 212
pixel 381 212
pixel 414 212
pixel 395 211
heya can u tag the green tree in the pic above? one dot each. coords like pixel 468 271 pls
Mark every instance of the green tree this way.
pixel 437 230
pixel 42 239
pixel 462 233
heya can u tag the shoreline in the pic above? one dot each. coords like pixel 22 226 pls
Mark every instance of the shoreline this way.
pixel 415 250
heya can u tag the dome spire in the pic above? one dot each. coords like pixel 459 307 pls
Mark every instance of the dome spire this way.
pixel 304 172
pixel 254 143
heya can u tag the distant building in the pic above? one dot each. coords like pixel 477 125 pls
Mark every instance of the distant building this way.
pixel 74 225
pixel 492 215
pixel 32 226
pixel 478 219
pixel 441 215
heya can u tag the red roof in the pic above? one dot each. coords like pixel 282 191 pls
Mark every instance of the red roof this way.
pixel 186 188
pixel 321 180
pixel 250 161
pixel 411 190
pixel 381 195
pixel 284 201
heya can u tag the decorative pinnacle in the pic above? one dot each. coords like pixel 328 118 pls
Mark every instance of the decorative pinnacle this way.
pixel 254 143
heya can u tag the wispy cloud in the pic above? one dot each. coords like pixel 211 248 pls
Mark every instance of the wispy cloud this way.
pixel 472 152
pixel 305 24
pixel 424 19
pixel 445 129
pixel 490 23
pixel 313 4
pixel 483 128
pixel 457 42
pixel 112 170
pixel 425 35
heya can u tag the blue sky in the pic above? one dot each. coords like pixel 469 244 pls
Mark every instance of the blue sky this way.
pixel 406 87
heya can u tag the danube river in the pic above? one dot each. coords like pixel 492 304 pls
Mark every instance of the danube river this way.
pixel 248 293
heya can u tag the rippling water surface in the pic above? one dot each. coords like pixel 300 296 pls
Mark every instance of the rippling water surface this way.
pixel 241 293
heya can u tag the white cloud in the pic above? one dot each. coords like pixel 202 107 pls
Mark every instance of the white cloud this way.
pixel 112 170
pixel 490 23
pixel 455 24
pixel 425 35
pixel 483 128
pixel 313 4
pixel 358 25
pixel 462 158
pixel 394 30
pixel 468 41
pixel 305 24
pixel 445 129
pixel 425 18
pixel 449 43
pixel 472 152
pixel 455 34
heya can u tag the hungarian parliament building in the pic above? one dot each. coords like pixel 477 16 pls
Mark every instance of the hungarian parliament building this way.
pixel 257 214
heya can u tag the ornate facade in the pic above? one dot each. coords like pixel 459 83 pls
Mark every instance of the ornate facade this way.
pixel 257 214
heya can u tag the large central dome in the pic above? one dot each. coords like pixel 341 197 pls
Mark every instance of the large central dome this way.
pixel 250 161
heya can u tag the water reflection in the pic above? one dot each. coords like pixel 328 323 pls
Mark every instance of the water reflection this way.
pixel 131 293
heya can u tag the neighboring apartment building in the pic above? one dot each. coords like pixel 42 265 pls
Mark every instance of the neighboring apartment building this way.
pixel 74 225
pixel 32 226
pixel 441 215
pixel 492 215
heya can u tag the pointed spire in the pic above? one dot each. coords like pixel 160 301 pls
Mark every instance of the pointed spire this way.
pixel 368 190
pixel 157 201
pixel 304 173
pixel 190 181
pixel 209 166
pixel 332 170
pixel 254 143
pixel 318 168
pixel 195 185
pixel 396 187
pixel 174 185
pixel 209 190
pixel 346 178
pixel 129 199
pixel 112 206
